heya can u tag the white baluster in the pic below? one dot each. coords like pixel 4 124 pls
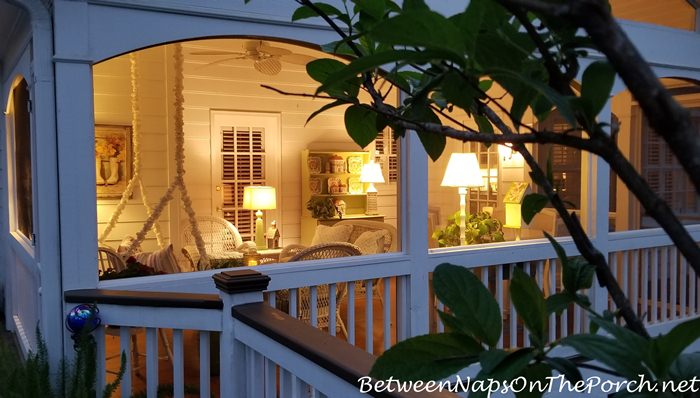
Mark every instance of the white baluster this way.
pixel 125 347
pixel 151 362
pixel 654 284
pixel 369 316
pixel 101 359
pixel 178 364
pixel 351 312
pixel 673 263
pixel 333 304
pixel 499 298
pixel 663 263
pixel 313 290
pixel 387 313
pixel 645 285
pixel 204 374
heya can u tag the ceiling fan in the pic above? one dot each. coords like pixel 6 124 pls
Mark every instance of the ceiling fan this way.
pixel 266 58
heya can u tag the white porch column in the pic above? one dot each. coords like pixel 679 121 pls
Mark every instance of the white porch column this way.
pixel 75 143
pixel 414 216
pixel 595 215
pixel 235 288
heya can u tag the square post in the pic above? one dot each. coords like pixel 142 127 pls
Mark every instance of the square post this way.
pixel 235 288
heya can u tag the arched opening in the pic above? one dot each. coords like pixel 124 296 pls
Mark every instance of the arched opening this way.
pixel 19 144
pixel 237 134
pixel 652 158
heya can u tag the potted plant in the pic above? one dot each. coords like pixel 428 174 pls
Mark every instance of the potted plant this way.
pixel 321 207
pixel 481 228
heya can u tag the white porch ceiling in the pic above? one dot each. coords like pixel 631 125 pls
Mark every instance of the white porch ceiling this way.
pixel 10 17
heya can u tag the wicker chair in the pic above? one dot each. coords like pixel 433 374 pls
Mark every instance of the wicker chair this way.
pixel 323 301
pixel 221 239
pixel 108 259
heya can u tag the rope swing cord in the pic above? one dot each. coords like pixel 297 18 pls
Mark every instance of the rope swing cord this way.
pixel 178 182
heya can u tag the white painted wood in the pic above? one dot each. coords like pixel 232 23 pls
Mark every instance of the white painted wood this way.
pixel 314 306
pixel 683 311
pixel 674 293
pixel 663 275
pixel 654 284
pixel 499 299
pixel 634 288
pixel 513 327
pixel 204 375
pixel 151 362
pixel 552 290
pixel 332 318
pixel 168 318
pixel 351 312
pixel 369 316
pixel 387 312
pixel 100 359
pixel 692 291
pixel 293 306
pixel 646 291
pixel 178 364
pixel 125 347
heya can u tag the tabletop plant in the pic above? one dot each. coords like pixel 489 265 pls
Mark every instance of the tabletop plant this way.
pixel 321 207
pixel 481 227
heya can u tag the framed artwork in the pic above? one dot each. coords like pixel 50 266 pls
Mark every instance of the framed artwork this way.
pixel 516 192
pixel 113 160
pixel 354 185
pixel 354 164
pixel 315 185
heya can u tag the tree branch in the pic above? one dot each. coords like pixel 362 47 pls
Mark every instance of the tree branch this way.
pixel 583 243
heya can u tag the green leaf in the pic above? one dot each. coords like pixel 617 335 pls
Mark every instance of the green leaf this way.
pixel 420 28
pixel 415 5
pixel 577 274
pixel 669 346
pixel 530 304
pixel 434 144
pixel 428 357
pixel 596 84
pixel 686 366
pixel 375 8
pixel 609 352
pixel 368 62
pixel 485 126
pixel 536 376
pixel 469 300
pixel 323 109
pixel 557 303
pixel 321 69
pixel 305 12
pixel 458 91
pixel 561 253
pixel 532 204
pixel 565 367
pixel 361 124
pixel 506 367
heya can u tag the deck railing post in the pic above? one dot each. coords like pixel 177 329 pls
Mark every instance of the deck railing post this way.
pixel 235 288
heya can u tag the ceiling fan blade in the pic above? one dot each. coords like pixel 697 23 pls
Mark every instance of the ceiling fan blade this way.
pixel 273 50
pixel 214 52
pixel 299 59
pixel 219 61
pixel 268 66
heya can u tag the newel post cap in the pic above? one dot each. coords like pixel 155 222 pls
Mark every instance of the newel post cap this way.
pixel 241 281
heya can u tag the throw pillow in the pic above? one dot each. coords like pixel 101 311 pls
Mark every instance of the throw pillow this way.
pixel 336 233
pixel 371 242
pixel 161 260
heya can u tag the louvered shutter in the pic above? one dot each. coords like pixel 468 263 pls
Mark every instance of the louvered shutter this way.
pixel 243 164
pixel 566 161
pixel 387 149
pixel 666 176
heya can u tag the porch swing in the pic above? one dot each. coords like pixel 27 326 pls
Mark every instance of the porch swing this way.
pixel 178 182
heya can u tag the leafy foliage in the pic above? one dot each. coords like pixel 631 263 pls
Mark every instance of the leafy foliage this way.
pixel 32 378
pixel 133 269
pixel 321 207
pixel 481 228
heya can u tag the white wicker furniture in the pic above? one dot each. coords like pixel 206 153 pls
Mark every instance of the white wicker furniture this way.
pixel 323 301
pixel 221 240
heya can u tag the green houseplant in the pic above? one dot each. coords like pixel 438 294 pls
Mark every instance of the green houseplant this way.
pixel 481 228
pixel 322 207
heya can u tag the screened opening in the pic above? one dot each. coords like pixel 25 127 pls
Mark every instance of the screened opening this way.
pixel 20 129
pixel 260 181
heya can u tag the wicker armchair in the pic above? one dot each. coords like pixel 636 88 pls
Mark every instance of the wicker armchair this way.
pixel 323 301
pixel 221 239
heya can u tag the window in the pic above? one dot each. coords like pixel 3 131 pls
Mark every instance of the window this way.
pixel 387 154
pixel 666 176
pixel 487 195
pixel 566 161
pixel 242 164
pixel 22 159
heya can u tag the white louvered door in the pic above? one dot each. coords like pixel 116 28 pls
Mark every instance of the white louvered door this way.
pixel 245 151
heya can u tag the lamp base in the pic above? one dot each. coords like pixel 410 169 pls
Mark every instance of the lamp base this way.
pixel 260 242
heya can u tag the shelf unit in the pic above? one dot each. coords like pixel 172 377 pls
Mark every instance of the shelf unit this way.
pixel 355 202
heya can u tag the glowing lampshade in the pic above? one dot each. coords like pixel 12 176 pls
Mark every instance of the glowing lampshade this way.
pixel 372 173
pixel 259 198
pixel 513 216
pixel 463 171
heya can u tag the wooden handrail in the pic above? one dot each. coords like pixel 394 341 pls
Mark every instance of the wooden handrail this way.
pixel 144 299
pixel 346 361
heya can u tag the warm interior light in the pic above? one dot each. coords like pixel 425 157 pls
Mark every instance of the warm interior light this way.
pixel 372 173
pixel 463 171
pixel 259 198
pixel 513 215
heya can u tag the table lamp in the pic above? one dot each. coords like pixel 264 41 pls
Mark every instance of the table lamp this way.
pixel 259 198
pixel 371 173
pixel 463 172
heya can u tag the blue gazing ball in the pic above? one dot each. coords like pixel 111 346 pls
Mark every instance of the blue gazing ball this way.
pixel 83 316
